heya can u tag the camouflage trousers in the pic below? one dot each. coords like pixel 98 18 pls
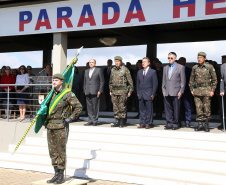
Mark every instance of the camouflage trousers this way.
pixel 203 107
pixel 57 147
pixel 119 105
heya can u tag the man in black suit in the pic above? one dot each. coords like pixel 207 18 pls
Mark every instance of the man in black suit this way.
pixel 93 88
pixel 147 84
pixel 107 73
pixel 186 98
pixel 173 85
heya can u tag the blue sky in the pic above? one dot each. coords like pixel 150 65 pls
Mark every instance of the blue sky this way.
pixel 214 52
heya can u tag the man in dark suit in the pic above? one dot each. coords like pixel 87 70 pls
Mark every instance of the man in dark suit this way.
pixel 147 84
pixel 173 85
pixel 107 73
pixel 93 88
pixel 186 97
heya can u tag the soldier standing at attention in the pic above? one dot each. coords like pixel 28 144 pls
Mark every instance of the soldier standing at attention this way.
pixel 57 121
pixel 121 87
pixel 203 82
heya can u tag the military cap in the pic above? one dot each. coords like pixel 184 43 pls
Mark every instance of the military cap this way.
pixel 202 54
pixel 58 76
pixel 118 58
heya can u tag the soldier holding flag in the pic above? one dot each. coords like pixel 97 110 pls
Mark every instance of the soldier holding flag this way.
pixel 57 121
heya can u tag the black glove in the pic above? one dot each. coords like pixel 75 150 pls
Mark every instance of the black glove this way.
pixel 67 121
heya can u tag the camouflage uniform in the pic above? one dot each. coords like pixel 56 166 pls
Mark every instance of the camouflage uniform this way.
pixel 55 127
pixel 120 85
pixel 203 80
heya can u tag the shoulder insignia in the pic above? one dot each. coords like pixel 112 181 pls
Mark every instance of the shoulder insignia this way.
pixel 72 95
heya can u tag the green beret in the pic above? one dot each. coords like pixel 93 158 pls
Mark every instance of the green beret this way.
pixel 58 76
pixel 118 58
pixel 202 54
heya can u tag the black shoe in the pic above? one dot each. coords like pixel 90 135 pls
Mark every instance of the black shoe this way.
pixel 55 176
pixel 116 124
pixel 121 122
pixel 175 128
pixel 220 127
pixel 88 124
pixel 188 125
pixel 199 127
pixel 206 127
pixel 60 178
pixel 168 127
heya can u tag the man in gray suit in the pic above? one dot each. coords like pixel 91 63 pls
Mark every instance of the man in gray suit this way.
pixel 222 86
pixel 93 88
pixel 173 85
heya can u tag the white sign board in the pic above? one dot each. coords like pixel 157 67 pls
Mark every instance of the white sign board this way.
pixel 77 15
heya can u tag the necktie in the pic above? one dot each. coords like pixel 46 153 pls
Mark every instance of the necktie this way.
pixel 144 73
pixel 109 70
pixel 170 72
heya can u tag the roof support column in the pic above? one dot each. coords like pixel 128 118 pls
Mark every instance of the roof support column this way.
pixel 59 52
pixel 47 57
pixel 151 50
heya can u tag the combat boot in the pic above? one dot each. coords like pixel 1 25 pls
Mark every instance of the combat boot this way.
pixel 206 127
pixel 116 124
pixel 55 176
pixel 199 127
pixel 121 122
pixel 60 178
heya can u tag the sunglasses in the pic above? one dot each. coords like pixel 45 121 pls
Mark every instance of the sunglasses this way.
pixel 170 58
pixel 7 69
pixel 22 68
pixel 28 69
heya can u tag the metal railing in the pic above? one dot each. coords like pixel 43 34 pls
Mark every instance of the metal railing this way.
pixel 33 92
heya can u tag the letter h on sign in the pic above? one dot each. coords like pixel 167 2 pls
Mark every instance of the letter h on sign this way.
pixel 178 4
pixel 210 10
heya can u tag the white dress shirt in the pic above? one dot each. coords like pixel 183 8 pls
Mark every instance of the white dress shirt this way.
pixel 91 70
pixel 145 71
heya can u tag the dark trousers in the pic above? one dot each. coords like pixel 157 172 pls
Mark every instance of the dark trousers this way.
pixel 146 111
pixel 186 99
pixel 172 110
pixel 93 104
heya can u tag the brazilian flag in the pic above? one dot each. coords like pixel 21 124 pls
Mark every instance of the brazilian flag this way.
pixel 42 113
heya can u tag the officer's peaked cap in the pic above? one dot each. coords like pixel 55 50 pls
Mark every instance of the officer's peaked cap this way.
pixel 58 76
pixel 202 54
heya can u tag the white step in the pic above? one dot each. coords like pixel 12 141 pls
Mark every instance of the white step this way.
pixel 130 159
pixel 105 140
pixel 153 133
pixel 97 174
pixel 131 155
pixel 145 170
pixel 43 150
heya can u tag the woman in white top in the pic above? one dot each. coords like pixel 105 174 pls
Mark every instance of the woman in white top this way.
pixel 22 91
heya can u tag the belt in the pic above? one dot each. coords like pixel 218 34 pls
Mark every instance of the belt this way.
pixel 119 88
pixel 203 85
pixel 56 121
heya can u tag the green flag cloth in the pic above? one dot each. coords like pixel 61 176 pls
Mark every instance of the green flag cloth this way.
pixel 43 111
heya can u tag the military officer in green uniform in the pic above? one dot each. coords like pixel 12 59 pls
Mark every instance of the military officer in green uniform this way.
pixel 203 82
pixel 57 122
pixel 121 87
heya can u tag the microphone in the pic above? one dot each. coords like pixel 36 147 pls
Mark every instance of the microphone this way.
pixel 42 71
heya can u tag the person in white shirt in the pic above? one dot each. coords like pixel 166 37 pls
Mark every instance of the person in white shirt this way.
pixel 22 91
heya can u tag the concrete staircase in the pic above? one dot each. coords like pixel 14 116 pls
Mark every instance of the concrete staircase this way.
pixel 151 157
